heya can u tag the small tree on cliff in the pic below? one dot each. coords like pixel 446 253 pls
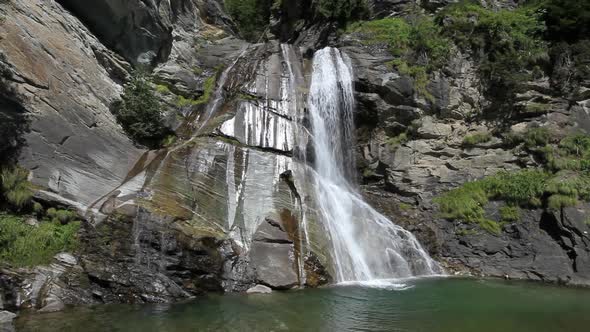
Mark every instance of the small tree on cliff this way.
pixel 138 112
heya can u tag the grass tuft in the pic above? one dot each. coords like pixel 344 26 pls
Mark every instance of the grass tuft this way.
pixel 22 245
pixel 475 139
pixel 15 187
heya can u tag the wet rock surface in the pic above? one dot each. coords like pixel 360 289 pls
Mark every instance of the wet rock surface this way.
pixel 259 289
pixel 273 256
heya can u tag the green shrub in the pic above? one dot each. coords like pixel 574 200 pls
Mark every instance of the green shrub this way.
pixel 567 188
pixel 38 209
pixel 572 153
pixel 139 112
pixel 464 203
pixel 16 187
pixel 537 137
pixel 567 19
pixel 507 42
pixel 535 109
pixel 169 141
pixel 163 89
pixel 251 16
pixel 61 216
pixel 405 206
pixel 416 42
pixel 491 226
pixel 342 11
pixel 576 145
pixel 565 182
pixel 395 142
pixel 478 138
pixel 24 245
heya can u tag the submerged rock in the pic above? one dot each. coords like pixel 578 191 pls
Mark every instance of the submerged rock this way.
pixel 6 317
pixel 6 324
pixel 259 289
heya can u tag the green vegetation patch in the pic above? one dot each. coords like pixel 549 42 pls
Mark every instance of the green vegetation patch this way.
pixel 417 42
pixel 564 181
pixel 477 138
pixel 510 213
pixel 507 41
pixel 397 141
pixel 208 88
pixel 15 187
pixel 251 16
pixel 139 112
pixel 61 216
pixel 466 203
pixel 566 19
pixel 572 153
pixel 22 245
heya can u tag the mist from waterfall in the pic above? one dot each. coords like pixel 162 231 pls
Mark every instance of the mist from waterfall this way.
pixel 366 246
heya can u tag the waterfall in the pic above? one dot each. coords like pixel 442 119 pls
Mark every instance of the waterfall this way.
pixel 365 244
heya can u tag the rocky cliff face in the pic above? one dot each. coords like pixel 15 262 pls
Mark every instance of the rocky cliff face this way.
pixel 224 208
pixel 64 80
pixel 545 245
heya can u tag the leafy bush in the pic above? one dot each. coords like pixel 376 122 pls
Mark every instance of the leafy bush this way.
pixel 558 201
pixel 478 138
pixel 342 11
pixel 139 112
pixel 24 245
pixel 416 42
pixel 567 19
pixel 567 188
pixel 507 42
pixel 163 89
pixel 251 16
pixel 15 186
pixel 535 139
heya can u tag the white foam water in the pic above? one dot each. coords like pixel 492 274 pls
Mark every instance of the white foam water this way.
pixel 366 246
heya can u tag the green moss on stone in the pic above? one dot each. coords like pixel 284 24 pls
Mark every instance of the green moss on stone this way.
pixel 478 138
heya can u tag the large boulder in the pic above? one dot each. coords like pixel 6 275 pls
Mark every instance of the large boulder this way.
pixel 273 256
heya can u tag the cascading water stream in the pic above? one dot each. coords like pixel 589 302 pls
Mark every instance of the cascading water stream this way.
pixel 365 244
